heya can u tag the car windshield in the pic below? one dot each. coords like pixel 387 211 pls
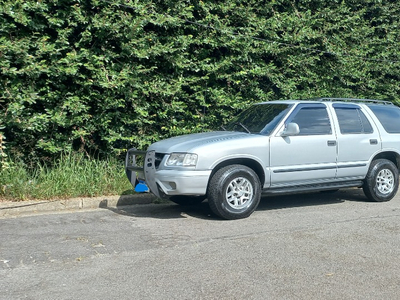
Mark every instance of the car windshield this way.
pixel 259 118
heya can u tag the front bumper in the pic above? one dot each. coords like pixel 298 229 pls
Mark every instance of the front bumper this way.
pixel 165 182
pixel 177 182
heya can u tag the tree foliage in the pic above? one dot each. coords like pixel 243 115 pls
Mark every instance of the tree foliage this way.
pixel 102 75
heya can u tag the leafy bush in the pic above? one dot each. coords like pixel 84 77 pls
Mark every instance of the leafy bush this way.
pixel 100 76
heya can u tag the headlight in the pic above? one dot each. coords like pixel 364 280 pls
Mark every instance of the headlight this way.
pixel 182 159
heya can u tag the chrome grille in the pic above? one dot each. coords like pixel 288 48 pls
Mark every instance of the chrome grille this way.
pixel 159 157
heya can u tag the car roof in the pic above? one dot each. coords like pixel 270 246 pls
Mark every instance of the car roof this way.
pixel 341 100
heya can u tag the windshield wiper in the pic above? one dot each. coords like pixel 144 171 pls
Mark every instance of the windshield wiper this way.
pixel 244 127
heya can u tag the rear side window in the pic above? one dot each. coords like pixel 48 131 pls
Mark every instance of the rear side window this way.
pixel 352 120
pixel 389 116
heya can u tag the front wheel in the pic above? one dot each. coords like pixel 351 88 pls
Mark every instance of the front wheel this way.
pixel 382 181
pixel 234 192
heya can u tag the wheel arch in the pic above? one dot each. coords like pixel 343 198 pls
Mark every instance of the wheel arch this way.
pixel 393 156
pixel 248 162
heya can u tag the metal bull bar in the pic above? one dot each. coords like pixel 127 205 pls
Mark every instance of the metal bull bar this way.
pixel 145 172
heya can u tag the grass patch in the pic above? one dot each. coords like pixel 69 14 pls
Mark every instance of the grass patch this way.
pixel 72 175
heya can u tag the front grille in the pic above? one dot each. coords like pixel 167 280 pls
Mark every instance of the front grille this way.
pixel 159 157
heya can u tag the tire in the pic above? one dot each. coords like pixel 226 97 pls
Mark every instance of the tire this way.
pixel 187 200
pixel 382 181
pixel 234 192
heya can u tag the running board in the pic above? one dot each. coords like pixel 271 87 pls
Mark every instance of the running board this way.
pixel 312 187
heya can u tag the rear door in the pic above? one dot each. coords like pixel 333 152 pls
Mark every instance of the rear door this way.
pixel 309 156
pixel 358 141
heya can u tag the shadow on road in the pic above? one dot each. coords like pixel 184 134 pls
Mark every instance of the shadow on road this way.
pixel 310 199
pixel 164 209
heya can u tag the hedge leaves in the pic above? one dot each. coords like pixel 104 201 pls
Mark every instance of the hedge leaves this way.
pixel 102 76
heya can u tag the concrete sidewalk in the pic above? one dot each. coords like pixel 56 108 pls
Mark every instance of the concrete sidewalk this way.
pixel 10 209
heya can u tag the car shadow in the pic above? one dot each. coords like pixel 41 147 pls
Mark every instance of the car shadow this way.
pixel 311 199
pixel 168 210
pixel 150 207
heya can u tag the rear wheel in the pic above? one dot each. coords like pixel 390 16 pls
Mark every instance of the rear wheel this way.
pixel 234 192
pixel 382 181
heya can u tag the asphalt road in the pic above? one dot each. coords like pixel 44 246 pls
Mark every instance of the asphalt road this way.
pixel 313 246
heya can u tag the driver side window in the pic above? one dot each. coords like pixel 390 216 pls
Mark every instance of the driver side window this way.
pixel 312 120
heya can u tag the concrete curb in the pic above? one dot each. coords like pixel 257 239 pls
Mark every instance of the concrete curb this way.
pixel 9 209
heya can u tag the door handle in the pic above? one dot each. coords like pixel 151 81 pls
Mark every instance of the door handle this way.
pixel 373 141
pixel 331 143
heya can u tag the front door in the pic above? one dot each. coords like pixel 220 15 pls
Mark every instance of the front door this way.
pixel 308 157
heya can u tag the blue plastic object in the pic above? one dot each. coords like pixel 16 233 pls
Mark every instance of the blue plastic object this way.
pixel 141 187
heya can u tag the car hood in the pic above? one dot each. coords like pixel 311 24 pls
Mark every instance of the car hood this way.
pixel 189 142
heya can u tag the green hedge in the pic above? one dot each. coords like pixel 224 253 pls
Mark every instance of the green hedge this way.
pixel 101 76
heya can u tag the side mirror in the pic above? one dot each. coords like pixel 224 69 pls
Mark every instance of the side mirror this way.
pixel 291 129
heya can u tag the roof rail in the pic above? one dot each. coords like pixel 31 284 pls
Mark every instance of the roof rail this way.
pixel 354 100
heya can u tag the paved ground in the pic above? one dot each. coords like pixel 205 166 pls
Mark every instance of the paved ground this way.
pixel 313 246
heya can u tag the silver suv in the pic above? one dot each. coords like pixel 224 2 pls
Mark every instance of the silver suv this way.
pixel 278 147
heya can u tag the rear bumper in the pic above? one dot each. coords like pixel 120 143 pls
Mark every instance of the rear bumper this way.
pixel 165 182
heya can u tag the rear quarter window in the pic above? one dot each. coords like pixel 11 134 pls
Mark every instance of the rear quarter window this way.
pixel 389 116
pixel 352 120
